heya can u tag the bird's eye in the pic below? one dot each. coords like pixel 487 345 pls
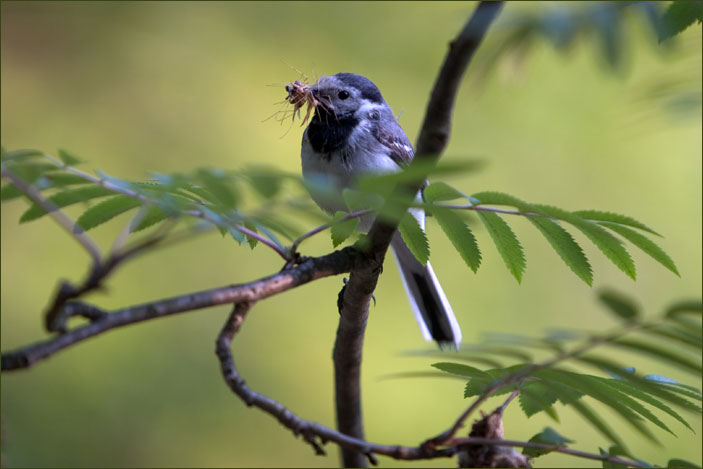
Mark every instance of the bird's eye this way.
pixel 344 94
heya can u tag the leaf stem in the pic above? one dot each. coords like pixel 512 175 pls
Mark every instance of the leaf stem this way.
pixel 314 231
pixel 52 209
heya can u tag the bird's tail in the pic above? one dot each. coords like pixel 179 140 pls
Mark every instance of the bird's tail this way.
pixel 427 299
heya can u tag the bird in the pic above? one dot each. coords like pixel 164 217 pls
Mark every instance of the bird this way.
pixel 354 132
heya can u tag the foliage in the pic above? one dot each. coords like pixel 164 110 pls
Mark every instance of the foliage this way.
pixel 543 384
pixel 219 198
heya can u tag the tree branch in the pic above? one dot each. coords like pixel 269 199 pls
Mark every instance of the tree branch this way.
pixel 311 269
pixel 316 434
pixel 354 309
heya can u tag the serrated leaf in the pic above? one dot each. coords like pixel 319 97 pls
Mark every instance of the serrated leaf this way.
pixel 607 243
pixel 9 192
pixel 414 237
pixel 680 361
pixel 609 464
pixel 462 370
pixel 236 235
pixel 677 334
pixel 66 198
pixel 627 407
pixel 610 217
pixel 564 245
pixel 20 154
pixel 341 230
pixel 681 464
pixel 264 181
pixel 268 233
pixel 440 191
pixel 68 158
pixel 290 231
pixel 505 241
pixel 688 391
pixel 632 390
pixel 500 198
pixel 460 236
pixel 357 200
pixel 548 436
pixel 30 171
pixel 146 217
pixel 535 397
pixel 645 244
pixel 593 418
pixel 219 185
pixel 250 240
pixel 105 211
pixel 618 304
pixel 679 16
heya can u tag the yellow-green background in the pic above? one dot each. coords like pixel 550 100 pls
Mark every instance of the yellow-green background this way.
pixel 157 86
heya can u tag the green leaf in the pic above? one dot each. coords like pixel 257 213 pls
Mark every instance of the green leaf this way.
pixel 685 307
pixel 30 171
pixel 677 334
pixel 462 370
pixel 66 198
pixel 645 244
pixel 105 211
pixel 68 158
pixel 147 216
pixel 460 236
pixel 681 464
pixel 548 436
pixel 535 397
pixel 680 361
pixel 623 307
pixel 440 191
pixel 569 251
pixel 414 238
pixel 627 407
pixel 656 387
pixel 593 418
pixel 679 16
pixel 341 230
pixel 609 464
pixel 20 154
pixel 252 241
pixel 265 181
pixel 47 181
pixel 607 243
pixel 632 390
pixel 9 192
pixel 599 216
pixel 219 185
pixel 500 198
pixel 236 234
pixel 505 241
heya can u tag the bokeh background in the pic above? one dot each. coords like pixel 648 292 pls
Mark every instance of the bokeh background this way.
pixel 157 86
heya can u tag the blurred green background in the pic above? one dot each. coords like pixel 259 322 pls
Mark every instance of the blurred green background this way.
pixel 158 86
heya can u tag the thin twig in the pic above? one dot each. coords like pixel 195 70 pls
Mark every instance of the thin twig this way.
pixel 314 231
pixel 53 210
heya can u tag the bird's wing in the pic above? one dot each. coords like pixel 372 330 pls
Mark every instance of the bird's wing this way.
pixel 394 139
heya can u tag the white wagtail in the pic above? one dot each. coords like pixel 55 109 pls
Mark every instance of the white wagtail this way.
pixel 352 132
